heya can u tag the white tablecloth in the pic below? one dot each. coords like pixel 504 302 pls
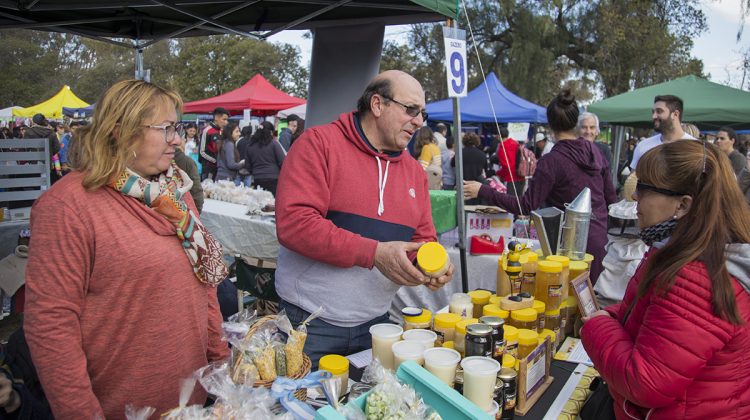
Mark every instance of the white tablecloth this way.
pixel 238 233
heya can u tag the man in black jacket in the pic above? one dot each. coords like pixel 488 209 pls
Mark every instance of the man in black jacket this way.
pixel 40 129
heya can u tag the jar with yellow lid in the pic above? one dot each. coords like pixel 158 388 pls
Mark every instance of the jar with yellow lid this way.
pixel 539 307
pixel 577 268
pixel 571 303
pixel 553 322
pixel 449 345
pixel 432 259
pixel 528 340
pixel 479 298
pixel 495 310
pixel 511 340
pixel 444 326
pixel 524 318
pixel 509 361
pixel 552 337
pixel 549 283
pixel 460 304
pixel 416 318
pixel 565 276
pixel 338 366
pixel 459 337
pixel 528 279
pixel 495 300
pixel 588 259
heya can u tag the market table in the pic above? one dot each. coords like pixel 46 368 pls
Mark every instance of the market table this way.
pixel 249 236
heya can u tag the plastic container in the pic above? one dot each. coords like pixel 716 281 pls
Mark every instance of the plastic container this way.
pixel 444 326
pixel 460 304
pixel 511 340
pixel 588 259
pixel 551 334
pixel 572 305
pixel 577 268
pixel 407 350
pixel 549 283
pixel 528 340
pixel 442 363
pixel 338 366
pixel 495 300
pixel 495 310
pixel 524 318
pixel 383 337
pixel 553 323
pixel 425 337
pixel 539 307
pixel 494 412
pixel 449 345
pixel 509 361
pixel 565 277
pixel 479 298
pixel 416 318
pixel 480 376
pixel 459 338
pixel 432 259
pixel 528 280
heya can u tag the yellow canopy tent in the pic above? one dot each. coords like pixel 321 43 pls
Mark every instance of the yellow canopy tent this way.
pixel 53 107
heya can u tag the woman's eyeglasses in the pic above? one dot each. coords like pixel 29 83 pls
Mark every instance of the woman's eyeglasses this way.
pixel 411 110
pixel 642 186
pixel 169 130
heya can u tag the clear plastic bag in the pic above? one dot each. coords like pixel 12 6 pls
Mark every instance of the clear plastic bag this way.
pixel 295 342
pixel 185 412
pixel 133 413
pixel 390 399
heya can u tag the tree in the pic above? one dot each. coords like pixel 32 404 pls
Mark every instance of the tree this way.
pixel 28 71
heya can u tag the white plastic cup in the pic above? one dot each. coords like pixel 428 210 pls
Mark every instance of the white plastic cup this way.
pixel 480 376
pixel 494 411
pixel 442 363
pixel 407 350
pixel 383 337
pixel 426 337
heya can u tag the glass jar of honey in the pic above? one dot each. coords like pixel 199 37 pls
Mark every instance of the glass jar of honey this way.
pixel 549 283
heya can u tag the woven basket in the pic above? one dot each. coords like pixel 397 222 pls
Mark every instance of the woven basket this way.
pixel 301 393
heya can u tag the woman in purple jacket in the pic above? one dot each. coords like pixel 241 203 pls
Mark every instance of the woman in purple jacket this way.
pixel 560 175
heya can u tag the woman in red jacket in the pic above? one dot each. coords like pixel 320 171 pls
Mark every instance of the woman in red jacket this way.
pixel 677 346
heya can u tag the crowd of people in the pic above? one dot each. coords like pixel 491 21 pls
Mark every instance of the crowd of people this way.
pixel 121 293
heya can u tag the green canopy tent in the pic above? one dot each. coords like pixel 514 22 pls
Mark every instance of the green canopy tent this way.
pixel 708 105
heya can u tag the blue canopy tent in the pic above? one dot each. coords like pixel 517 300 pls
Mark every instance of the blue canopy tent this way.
pixel 79 112
pixel 475 107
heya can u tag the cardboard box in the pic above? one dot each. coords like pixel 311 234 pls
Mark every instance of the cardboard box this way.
pixel 497 224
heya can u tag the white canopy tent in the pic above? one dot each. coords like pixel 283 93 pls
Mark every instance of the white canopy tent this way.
pixel 299 110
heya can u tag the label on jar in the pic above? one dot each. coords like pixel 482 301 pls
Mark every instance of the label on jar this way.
pixel 499 350
pixel 509 397
pixel 541 323
pixel 554 291
pixel 516 284
pixel 563 322
pixel 512 349
pixel 440 338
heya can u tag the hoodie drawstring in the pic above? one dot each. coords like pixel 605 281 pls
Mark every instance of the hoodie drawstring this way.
pixel 382 179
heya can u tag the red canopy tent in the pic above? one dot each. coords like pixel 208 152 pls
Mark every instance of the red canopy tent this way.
pixel 258 95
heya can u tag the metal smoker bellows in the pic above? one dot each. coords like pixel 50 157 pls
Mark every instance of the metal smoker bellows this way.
pixel 575 231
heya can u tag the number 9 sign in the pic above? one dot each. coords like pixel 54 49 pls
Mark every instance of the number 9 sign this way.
pixel 455 66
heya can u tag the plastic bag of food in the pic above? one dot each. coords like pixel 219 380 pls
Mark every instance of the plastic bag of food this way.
pixel 133 413
pixel 185 412
pixel 295 342
pixel 390 399
pixel 238 325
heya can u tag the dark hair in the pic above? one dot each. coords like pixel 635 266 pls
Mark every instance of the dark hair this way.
pixel 449 142
pixel 440 127
pixel 730 133
pixel 471 139
pixel 380 86
pixel 220 111
pixel 504 132
pixel 263 135
pixel 226 135
pixel 292 117
pixel 246 131
pixel 701 170
pixel 424 136
pixel 190 125
pixel 674 103
pixel 562 112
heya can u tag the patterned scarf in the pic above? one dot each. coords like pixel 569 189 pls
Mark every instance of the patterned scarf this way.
pixel 658 232
pixel 164 196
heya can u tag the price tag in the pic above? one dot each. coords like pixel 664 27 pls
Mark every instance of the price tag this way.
pixel 455 61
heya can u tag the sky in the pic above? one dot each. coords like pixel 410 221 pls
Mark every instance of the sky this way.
pixel 717 46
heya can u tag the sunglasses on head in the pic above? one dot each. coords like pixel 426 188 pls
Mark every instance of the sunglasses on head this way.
pixel 642 186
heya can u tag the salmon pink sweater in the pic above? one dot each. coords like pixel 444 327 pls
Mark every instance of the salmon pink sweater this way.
pixel 114 312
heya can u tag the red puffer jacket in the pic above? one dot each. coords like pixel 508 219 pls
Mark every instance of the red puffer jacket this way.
pixel 674 358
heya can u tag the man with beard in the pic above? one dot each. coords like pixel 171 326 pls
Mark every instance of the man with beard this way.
pixel 667 115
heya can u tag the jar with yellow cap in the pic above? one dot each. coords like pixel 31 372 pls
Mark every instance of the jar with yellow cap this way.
pixel 432 259
pixel 495 300
pixel 445 326
pixel 495 310
pixel 415 318
pixel 539 307
pixel 509 361
pixel 511 340
pixel 565 276
pixel 528 340
pixel 459 337
pixel 552 337
pixel 449 345
pixel 549 282
pixel 460 304
pixel 528 280
pixel 577 268
pixel 571 304
pixel 524 318
pixel 338 366
pixel 553 321
pixel 588 259
pixel 479 298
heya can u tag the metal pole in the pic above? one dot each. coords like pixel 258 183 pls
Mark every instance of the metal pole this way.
pixel 138 61
pixel 457 144
pixel 618 137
